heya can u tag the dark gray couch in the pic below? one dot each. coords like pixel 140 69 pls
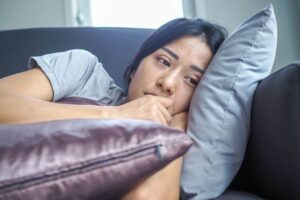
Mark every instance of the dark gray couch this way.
pixel 271 164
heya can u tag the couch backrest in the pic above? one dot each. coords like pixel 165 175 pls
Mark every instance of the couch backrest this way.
pixel 272 162
pixel 114 47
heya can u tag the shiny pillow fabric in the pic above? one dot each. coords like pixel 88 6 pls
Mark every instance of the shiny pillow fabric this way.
pixel 83 159
pixel 219 120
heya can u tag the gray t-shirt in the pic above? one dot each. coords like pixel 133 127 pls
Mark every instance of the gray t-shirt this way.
pixel 78 73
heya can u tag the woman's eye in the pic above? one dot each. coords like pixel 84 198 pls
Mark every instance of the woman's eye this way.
pixel 193 82
pixel 164 61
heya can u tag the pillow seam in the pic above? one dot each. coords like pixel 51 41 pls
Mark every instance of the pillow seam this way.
pixel 85 164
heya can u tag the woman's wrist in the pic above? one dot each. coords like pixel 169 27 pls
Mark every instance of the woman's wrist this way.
pixel 108 112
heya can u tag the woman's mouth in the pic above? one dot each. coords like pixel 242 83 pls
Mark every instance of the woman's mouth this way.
pixel 150 93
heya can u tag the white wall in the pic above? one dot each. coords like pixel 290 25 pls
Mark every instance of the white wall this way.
pixel 230 13
pixel 15 14
pixel 31 13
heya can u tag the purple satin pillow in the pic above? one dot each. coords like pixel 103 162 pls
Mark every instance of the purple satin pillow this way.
pixel 83 159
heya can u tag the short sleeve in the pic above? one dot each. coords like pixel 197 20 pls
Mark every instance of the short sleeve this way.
pixel 78 73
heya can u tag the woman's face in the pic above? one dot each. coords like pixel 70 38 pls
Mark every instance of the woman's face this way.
pixel 172 71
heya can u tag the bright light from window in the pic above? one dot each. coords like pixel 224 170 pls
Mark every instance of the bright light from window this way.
pixel 134 13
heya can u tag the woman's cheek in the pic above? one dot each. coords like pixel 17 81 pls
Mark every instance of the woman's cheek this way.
pixel 187 100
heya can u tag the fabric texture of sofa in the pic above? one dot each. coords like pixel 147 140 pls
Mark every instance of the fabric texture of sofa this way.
pixel 270 166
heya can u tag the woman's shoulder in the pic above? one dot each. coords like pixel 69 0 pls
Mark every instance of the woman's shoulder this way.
pixel 81 53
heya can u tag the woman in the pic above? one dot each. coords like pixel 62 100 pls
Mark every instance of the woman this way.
pixel 162 79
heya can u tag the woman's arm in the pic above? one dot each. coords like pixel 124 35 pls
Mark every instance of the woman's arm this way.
pixel 16 109
pixel 26 97
pixel 164 184
pixel 32 83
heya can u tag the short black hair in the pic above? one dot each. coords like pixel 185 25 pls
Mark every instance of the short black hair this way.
pixel 212 34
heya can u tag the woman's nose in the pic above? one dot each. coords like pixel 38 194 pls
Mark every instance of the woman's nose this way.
pixel 167 83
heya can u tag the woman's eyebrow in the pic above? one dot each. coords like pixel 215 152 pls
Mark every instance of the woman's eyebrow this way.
pixel 172 53
pixel 198 69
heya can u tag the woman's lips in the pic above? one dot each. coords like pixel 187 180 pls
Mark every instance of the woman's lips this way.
pixel 150 93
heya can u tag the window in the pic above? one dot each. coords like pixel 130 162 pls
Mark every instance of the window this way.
pixel 134 13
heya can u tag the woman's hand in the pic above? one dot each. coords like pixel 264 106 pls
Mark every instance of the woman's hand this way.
pixel 179 121
pixel 152 108
pixel 148 107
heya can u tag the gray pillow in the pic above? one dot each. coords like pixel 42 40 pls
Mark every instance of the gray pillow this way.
pixel 220 110
pixel 83 158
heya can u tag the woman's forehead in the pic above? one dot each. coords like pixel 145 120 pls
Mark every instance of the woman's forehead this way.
pixel 188 39
pixel 188 47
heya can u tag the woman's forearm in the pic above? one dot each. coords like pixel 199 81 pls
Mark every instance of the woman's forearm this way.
pixel 16 108
pixel 163 185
